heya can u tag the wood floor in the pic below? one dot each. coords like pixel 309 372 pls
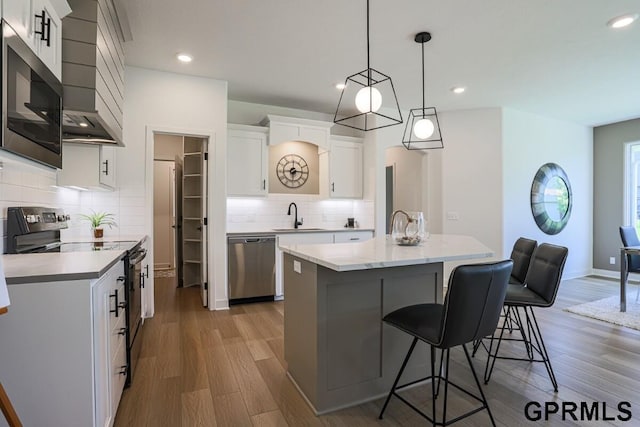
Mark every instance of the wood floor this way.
pixel 227 368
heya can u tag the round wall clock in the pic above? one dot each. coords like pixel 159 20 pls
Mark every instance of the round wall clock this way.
pixel 292 171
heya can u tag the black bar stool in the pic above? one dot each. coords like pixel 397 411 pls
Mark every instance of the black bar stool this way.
pixel 470 311
pixel 540 290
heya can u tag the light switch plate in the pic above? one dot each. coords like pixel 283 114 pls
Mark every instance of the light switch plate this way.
pixel 297 267
pixel 612 260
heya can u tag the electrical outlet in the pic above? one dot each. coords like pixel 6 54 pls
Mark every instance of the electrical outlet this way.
pixel 612 260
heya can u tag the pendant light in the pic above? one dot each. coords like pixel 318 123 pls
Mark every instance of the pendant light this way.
pixel 368 100
pixel 423 129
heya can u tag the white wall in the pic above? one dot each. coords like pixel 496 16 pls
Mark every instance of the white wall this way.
pixel 160 100
pixel 471 169
pixel 529 142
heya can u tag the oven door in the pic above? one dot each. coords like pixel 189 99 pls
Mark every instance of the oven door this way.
pixel 31 103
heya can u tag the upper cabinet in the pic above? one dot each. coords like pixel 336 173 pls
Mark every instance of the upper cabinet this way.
pixel 38 23
pixel 285 129
pixel 343 162
pixel 88 166
pixel 247 159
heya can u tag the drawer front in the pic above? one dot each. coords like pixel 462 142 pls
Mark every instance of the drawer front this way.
pixel 120 301
pixel 352 236
pixel 118 375
pixel 117 336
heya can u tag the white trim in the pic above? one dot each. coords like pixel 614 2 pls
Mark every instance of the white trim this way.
pixel 221 301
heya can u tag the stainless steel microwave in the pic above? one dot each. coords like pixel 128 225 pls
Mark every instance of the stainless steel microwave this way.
pixel 31 103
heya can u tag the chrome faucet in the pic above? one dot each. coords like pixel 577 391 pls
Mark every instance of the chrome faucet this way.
pixel 296 223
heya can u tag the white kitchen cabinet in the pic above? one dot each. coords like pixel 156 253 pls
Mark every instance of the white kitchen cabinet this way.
pixel 27 17
pixel 247 159
pixel 48 44
pixel 352 236
pixel 18 14
pixel 63 350
pixel 109 320
pixel 313 238
pixel 88 166
pixel 284 129
pixel 344 164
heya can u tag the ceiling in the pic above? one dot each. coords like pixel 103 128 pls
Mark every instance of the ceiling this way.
pixel 548 57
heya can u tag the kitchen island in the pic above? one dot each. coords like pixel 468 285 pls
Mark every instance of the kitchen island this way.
pixel 338 351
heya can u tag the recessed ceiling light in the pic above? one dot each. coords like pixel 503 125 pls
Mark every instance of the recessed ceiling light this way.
pixel 83 124
pixel 622 21
pixel 340 86
pixel 184 57
pixel 458 89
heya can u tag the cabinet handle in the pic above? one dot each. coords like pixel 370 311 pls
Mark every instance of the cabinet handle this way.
pixel 117 306
pixel 141 279
pixel 264 184
pixel 106 167
pixel 333 187
pixel 121 278
pixel 122 331
pixel 123 370
pixel 45 28
pixel 122 305
pixel 354 238
pixel 146 269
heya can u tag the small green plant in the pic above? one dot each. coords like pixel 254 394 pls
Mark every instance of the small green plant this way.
pixel 98 219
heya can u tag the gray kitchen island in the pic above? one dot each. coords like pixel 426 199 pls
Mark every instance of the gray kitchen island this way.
pixel 338 351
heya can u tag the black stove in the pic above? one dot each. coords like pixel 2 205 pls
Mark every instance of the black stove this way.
pixel 83 247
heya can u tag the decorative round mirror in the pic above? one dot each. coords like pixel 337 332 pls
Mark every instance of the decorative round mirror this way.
pixel 551 198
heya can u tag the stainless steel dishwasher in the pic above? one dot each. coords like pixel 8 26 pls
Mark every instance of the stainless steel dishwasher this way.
pixel 252 268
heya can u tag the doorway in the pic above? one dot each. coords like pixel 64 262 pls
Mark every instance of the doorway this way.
pixel 180 210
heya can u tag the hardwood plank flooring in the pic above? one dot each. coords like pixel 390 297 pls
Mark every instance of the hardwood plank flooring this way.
pixel 227 368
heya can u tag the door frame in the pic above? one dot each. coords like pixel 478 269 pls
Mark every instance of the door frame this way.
pixel 213 229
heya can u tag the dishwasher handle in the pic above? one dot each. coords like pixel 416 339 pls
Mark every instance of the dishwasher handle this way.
pixel 252 239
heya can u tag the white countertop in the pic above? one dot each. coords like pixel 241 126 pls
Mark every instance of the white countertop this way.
pixel 55 267
pixel 62 266
pixel 252 229
pixel 381 252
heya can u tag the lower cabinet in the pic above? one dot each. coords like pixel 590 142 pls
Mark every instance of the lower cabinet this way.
pixel 313 238
pixel 63 350
pixel 110 331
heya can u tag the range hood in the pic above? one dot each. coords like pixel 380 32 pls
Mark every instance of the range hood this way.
pixel 92 73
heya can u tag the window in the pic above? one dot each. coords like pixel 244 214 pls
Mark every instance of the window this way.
pixel 632 185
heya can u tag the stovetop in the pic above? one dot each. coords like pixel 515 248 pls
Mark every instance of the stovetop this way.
pixel 83 247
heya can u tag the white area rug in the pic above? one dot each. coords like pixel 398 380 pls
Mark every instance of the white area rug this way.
pixel 608 310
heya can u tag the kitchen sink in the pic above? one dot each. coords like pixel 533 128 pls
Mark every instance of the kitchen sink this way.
pixel 298 229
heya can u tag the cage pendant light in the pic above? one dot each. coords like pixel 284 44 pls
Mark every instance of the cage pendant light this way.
pixel 423 129
pixel 368 100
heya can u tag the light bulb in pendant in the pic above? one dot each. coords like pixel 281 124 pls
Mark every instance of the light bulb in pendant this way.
pixel 368 100
pixel 423 128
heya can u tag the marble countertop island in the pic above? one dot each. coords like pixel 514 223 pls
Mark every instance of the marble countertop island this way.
pixel 382 252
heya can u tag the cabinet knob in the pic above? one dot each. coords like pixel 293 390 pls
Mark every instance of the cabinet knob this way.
pixel 122 331
pixel 123 370
pixel 121 278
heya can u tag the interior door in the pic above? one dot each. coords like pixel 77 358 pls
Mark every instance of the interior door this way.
pixel 177 224
pixel 204 248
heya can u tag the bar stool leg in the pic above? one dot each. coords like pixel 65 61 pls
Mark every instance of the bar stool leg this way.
pixel 395 383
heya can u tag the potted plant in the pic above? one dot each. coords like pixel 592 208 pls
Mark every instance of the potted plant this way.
pixel 99 219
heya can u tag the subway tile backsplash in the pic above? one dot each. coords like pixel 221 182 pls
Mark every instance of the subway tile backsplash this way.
pixel 25 184
pixel 271 212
